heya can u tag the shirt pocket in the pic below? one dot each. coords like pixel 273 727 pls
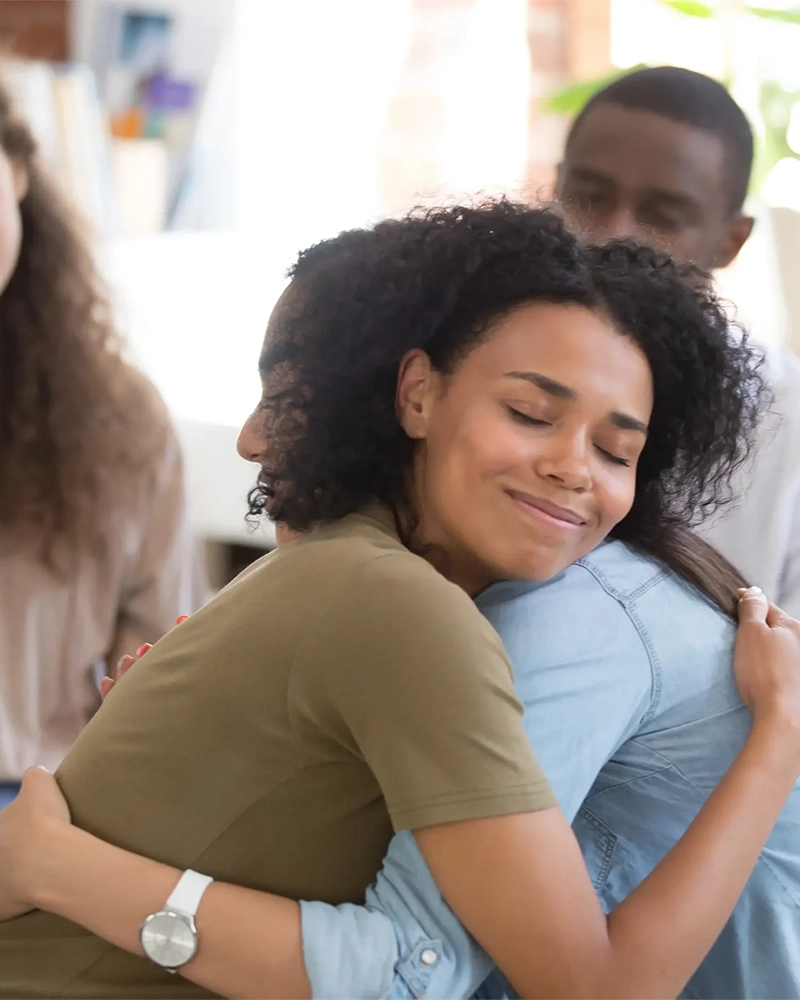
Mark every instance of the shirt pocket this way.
pixel 597 842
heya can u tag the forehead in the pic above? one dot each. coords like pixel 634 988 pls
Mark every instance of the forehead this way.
pixel 283 312
pixel 639 151
pixel 569 344
pixel 285 308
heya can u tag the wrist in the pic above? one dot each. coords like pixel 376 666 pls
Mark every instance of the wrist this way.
pixel 774 742
pixel 52 857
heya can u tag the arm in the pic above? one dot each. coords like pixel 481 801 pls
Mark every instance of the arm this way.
pixel 602 674
pixel 653 941
pixel 534 911
pixel 542 923
pixel 517 882
pixel 111 891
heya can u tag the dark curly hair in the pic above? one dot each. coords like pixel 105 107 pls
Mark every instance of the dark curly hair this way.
pixel 78 424
pixel 435 280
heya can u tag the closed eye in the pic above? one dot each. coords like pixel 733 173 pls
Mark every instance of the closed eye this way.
pixel 613 458
pixel 523 418
pixel 528 421
pixel 656 220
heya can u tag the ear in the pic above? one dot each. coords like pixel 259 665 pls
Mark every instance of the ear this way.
pixel 737 234
pixel 21 180
pixel 418 385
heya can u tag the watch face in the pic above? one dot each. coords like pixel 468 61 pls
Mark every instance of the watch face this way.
pixel 168 939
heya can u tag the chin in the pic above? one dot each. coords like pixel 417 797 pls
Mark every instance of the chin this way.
pixel 537 569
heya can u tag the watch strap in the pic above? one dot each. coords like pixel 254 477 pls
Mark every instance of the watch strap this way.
pixel 186 896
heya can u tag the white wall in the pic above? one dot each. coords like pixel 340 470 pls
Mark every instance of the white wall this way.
pixel 194 307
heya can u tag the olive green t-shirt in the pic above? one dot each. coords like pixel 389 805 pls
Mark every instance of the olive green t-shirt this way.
pixel 338 690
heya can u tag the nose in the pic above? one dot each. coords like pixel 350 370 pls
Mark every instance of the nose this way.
pixel 621 224
pixel 251 443
pixel 565 461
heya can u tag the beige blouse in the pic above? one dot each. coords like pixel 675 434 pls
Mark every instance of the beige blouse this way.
pixel 55 632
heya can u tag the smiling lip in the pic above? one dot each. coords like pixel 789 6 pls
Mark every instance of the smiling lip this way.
pixel 543 510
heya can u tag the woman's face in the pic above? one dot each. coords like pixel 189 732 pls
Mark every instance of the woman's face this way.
pixel 528 450
pixel 254 436
pixel 13 187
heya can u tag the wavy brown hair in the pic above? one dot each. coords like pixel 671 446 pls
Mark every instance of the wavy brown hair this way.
pixel 78 424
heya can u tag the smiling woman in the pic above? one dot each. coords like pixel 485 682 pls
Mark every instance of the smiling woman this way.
pixel 451 399
pixel 579 429
pixel 501 430
pixel 451 301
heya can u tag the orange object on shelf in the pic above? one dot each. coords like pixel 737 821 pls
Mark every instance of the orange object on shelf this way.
pixel 128 124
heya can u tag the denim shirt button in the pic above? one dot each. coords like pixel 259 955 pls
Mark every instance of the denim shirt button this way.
pixel 429 957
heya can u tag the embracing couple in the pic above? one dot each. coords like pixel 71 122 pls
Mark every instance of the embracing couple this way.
pixel 477 429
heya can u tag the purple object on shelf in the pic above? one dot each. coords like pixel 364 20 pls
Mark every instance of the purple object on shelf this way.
pixel 164 93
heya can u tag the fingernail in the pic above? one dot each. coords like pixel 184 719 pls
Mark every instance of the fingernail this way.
pixel 750 592
pixel 143 648
pixel 181 619
pixel 41 767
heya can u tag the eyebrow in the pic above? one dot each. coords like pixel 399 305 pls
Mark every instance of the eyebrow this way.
pixel 561 391
pixel 673 198
pixel 548 385
pixel 588 174
pixel 626 423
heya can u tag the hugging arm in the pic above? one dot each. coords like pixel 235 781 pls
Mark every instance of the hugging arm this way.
pixel 517 882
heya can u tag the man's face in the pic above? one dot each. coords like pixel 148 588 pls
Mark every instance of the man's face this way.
pixel 635 174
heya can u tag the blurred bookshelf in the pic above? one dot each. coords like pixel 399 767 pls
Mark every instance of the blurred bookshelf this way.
pixel 130 103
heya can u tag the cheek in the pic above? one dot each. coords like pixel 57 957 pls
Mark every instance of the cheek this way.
pixel 688 245
pixel 615 496
pixel 477 447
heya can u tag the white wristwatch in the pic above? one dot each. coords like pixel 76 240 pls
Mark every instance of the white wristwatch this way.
pixel 169 937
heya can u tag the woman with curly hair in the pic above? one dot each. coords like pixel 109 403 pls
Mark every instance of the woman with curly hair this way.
pixel 95 548
pixel 453 400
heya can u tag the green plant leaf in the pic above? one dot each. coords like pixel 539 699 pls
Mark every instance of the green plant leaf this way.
pixel 571 99
pixel 789 16
pixel 775 105
pixel 692 8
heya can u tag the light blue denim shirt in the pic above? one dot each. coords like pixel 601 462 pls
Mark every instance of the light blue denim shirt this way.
pixel 631 707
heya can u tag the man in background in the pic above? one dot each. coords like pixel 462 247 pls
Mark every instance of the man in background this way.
pixel 663 156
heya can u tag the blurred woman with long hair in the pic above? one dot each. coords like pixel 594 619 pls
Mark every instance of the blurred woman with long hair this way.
pixel 95 548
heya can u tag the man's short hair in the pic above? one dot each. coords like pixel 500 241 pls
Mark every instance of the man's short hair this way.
pixel 681 95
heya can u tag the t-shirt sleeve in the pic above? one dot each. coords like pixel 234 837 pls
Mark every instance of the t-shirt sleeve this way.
pixel 403 672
